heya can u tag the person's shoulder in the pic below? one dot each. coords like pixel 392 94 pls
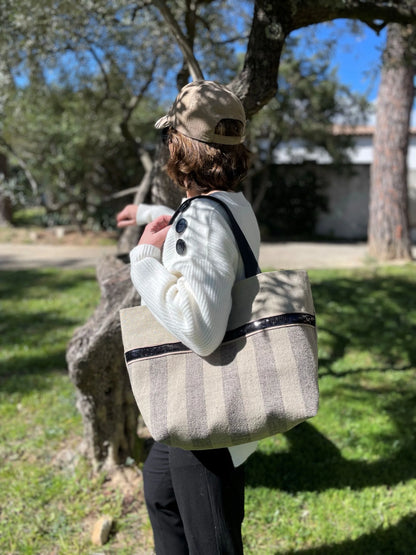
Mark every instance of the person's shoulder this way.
pixel 205 216
pixel 235 201
pixel 207 208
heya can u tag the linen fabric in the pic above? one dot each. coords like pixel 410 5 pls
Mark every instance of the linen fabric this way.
pixel 252 387
pixel 278 309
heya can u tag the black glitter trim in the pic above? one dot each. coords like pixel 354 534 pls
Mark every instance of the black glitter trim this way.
pixel 296 318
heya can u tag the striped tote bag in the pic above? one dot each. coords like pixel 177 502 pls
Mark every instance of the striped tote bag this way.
pixel 261 380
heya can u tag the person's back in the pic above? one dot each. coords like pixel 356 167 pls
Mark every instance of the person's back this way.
pixel 184 274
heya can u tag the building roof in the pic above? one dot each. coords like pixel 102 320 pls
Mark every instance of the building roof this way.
pixel 360 130
pixel 295 152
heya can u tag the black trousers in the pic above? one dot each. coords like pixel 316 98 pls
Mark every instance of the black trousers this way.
pixel 195 501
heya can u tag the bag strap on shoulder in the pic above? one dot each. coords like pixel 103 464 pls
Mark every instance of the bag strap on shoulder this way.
pixel 251 267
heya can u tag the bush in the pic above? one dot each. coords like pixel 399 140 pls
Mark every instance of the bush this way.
pixel 293 201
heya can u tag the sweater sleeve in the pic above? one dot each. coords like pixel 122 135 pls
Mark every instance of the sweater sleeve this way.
pixel 146 213
pixel 189 290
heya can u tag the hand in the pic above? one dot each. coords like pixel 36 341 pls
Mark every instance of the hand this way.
pixel 155 232
pixel 127 216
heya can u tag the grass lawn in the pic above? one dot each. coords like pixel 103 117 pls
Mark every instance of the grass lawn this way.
pixel 342 483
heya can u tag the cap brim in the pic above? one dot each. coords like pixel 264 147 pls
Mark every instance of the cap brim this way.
pixel 162 122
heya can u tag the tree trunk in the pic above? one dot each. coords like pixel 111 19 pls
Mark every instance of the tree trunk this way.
pixel 6 209
pixel 163 189
pixel 97 368
pixel 388 230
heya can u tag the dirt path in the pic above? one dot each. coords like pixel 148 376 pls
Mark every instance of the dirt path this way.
pixel 313 255
pixel 272 255
pixel 14 256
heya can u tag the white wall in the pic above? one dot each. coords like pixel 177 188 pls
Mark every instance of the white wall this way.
pixel 348 193
pixel 362 153
pixel 348 197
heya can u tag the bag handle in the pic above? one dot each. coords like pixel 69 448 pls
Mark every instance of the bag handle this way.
pixel 251 267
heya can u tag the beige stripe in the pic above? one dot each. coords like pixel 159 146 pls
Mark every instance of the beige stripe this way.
pixel 304 348
pixel 139 379
pixel 233 396
pixel 214 394
pixel 140 328
pixel 195 402
pixel 250 387
pixel 288 376
pixel 269 383
pixel 176 390
pixel 158 375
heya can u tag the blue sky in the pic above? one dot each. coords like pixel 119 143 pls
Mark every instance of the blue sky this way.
pixel 357 56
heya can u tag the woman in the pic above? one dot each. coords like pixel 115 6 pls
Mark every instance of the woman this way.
pixel 184 273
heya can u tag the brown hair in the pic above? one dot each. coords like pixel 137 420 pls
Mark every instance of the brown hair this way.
pixel 207 166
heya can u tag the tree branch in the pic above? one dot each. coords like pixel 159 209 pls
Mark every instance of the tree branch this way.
pixel 29 176
pixel 124 124
pixel 194 68
pixel 100 65
pixel 377 27
pixel 274 21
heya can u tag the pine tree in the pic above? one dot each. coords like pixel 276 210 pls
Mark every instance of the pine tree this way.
pixel 388 230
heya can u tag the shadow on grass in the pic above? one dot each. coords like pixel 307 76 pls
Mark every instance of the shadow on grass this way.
pixel 314 463
pixel 395 540
pixel 374 313
pixel 35 334
pixel 34 284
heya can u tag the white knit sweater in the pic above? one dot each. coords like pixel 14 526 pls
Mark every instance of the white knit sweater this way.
pixel 188 286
